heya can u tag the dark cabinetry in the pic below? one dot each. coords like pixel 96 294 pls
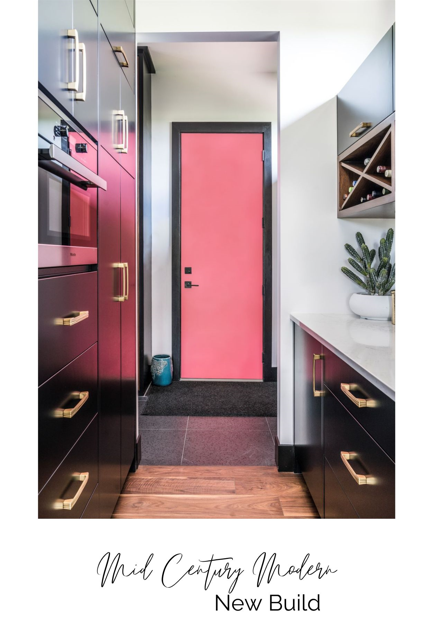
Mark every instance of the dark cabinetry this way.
pixel 368 96
pixel 117 326
pixel 116 19
pixel 68 53
pixel 308 413
pixel 344 435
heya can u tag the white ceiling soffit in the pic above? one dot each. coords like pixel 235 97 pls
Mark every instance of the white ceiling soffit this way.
pixel 245 57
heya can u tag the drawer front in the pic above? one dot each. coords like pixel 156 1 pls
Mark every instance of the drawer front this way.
pixel 92 510
pixel 337 505
pixel 375 499
pixel 73 388
pixel 378 417
pixel 368 95
pixel 61 299
pixel 65 485
pixel 117 23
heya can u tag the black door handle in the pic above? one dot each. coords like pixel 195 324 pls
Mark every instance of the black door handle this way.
pixel 189 284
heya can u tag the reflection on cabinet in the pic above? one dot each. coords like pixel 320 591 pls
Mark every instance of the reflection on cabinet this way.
pixel 367 98
pixel 117 330
pixel 68 52
pixel 118 25
pixel 344 435
pixel 308 413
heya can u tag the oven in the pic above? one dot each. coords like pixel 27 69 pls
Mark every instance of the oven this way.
pixel 67 190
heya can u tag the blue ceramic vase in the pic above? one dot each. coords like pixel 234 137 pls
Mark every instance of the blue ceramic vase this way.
pixel 161 370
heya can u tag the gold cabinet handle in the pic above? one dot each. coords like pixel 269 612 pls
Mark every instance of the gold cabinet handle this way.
pixel 68 504
pixel 362 127
pixel 360 479
pixel 82 96
pixel 124 295
pixel 316 392
pixel 118 49
pixel 75 319
pixel 360 402
pixel 126 281
pixel 73 34
pixel 68 413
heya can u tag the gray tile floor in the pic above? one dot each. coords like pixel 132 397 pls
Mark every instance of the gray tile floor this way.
pixel 201 441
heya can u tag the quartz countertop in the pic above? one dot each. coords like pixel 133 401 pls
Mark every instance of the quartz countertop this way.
pixel 367 345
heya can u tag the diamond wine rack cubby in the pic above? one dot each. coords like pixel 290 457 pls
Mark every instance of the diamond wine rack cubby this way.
pixel 366 175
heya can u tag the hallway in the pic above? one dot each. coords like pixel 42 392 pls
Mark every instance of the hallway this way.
pixel 214 492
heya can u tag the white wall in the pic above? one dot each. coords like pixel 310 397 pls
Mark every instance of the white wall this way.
pixel 321 44
pixel 195 94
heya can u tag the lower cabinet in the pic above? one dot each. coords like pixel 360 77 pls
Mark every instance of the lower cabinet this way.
pixel 117 326
pixel 344 435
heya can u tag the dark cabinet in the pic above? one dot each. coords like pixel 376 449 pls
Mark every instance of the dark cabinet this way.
pixel 117 22
pixel 68 52
pixel 368 96
pixel 337 505
pixel 117 330
pixel 127 155
pixel 308 413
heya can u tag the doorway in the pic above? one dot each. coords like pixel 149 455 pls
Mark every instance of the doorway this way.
pixel 221 251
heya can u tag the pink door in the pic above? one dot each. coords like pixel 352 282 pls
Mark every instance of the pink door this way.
pixel 222 245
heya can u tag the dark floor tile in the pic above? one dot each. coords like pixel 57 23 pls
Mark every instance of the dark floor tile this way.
pixel 169 422
pixel 272 422
pixel 228 447
pixel 227 423
pixel 162 447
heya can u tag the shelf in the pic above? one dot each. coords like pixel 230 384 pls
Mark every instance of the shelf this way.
pixel 378 145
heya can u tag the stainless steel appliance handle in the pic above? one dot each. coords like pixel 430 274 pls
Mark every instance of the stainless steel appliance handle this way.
pixel 74 85
pixel 81 97
pixel 116 114
pixel 50 159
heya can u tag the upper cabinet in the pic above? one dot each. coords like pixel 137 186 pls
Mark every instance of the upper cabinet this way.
pixel 368 97
pixel 68 53
pixel 116 19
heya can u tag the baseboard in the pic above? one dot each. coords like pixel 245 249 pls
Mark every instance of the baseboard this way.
pixel 284 456
pixel 137 454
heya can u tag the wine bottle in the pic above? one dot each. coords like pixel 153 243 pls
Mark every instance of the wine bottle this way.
pixel 363 200
pixel 366 161
pixel 354 183
pixel 369 197
pixel 388 173
pixel 345 197
pixel 350 189
pixel 376 194
pixel 385 191
pixel 381 169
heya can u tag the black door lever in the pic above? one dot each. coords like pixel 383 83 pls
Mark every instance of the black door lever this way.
pixel 189 284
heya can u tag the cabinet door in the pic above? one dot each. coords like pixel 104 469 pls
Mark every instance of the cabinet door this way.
pixel 109 338
pixel 86 106
pixel 337 505
pixel 131 9
pixel 56 49
pixel 128 105
pixel 110 97
pixel 116 21
pixel 308 414
pixel 368 96
pixel 128 324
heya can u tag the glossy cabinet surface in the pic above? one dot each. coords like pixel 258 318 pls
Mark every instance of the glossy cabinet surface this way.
pixel 110 97
pixel 59 425
pixel 308 414
pixel 128 105
pixel 92 510
pixel 374 499
pixel 117 22
pixel 61 300
pixel 109 337
pixel 65 484
pixel 337 505
pixel 368 95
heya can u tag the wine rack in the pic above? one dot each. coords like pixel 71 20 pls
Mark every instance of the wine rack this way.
pixel 377 146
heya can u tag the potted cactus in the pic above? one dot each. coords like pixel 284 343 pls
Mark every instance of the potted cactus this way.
pixel 376 302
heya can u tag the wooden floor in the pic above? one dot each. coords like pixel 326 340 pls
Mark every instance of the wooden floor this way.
pixel 214 492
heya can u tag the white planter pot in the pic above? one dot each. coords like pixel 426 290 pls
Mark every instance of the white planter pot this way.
pixel 372 307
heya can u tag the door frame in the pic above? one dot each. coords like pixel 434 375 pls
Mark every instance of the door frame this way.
pixel 269 372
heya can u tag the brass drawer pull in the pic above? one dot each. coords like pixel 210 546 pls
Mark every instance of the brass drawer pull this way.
pixel 316 392
pixel 362 127
pixel 75 319
pixel 125 283
pixel 68 413
pixel 68 504
pixel 118 49
pixel 360 479
pixel 360 402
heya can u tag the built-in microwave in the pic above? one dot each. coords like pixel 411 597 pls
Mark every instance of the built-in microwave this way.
pixel 67 190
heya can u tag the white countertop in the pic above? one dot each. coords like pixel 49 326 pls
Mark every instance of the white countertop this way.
pixel 367 345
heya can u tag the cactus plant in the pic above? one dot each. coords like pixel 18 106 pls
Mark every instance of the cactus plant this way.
pixel 379 280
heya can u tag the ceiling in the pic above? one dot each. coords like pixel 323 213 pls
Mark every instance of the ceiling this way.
pixel 246 57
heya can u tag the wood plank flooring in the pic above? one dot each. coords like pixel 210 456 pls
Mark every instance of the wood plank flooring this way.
pixel 214 492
